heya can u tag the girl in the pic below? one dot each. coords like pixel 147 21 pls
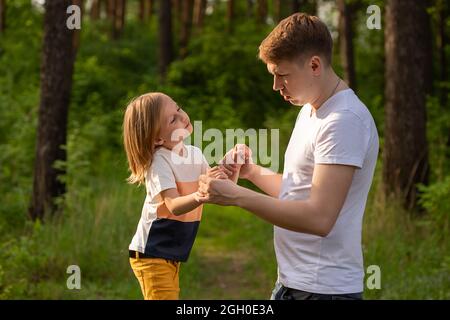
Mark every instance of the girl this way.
pixel 154 128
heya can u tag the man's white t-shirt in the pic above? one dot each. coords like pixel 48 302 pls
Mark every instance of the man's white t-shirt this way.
pixel 342 131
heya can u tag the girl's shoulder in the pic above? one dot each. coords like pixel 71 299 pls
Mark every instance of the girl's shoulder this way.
pixel 193 148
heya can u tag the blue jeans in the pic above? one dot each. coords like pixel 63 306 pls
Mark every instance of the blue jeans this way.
pixel 281 292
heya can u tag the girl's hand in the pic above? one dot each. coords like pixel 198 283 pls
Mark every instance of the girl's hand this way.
pixel 237 161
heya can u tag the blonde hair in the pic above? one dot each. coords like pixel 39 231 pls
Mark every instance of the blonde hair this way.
pixel 141 126
pixel 295 37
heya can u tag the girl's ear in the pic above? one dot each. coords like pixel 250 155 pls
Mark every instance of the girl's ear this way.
pixel 159 142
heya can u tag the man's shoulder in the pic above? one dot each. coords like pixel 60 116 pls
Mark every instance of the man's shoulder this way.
pixel 349 108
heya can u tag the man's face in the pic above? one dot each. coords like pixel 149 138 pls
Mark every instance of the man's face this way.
pixel 294 80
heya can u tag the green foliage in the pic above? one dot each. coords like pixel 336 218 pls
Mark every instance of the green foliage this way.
pixel 222 83
pixel 434 198
pixel 19 91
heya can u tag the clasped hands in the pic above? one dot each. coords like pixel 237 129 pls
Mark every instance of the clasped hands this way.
pixel 218 185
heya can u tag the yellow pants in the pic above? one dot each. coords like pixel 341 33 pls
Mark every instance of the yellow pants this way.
pixel 158 278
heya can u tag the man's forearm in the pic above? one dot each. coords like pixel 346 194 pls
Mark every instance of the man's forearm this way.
pixel 267 181
pixel 298 216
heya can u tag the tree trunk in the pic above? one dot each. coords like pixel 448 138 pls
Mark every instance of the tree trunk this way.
pixel 77 34
pixel 110 9
pixel 277 10
pixel 145 10
pixel 186 26
pixel 58 59
pixel 262 11
pixel 176 15
pixel 250 9
pixel 118 18
pixel 95 9
pixel 230 15
pixel 346 34
pixel 408 62
pixel 199 13
pixel 441 42
pixel 151 4
pixel 2 15
pixel 295 5
pixel 165 37
pixel 142 10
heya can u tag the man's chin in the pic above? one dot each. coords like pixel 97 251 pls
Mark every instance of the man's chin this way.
pixel 296 102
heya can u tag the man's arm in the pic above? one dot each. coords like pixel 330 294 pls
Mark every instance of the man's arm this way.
pixel 266 180
pixel 237 163
pixel 316 215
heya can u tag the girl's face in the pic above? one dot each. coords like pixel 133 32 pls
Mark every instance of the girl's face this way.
pixel 175 124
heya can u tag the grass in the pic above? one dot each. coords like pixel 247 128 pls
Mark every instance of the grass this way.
pixel 232 258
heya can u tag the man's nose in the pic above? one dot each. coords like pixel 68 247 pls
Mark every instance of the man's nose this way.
pixel 277 84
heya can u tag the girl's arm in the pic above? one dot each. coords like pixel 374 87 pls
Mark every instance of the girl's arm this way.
pixel 179 205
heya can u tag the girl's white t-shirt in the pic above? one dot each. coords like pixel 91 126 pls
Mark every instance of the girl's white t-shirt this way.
pixel 160 233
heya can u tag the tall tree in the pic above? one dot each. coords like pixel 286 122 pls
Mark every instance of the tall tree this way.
pixel 165 53
pixel 116 10
pixel 76 36
pixel 262 11
pixel 95 9
pixel 277 10
pixel 176 13
pixel 186 26
pixel 2 15
pixel 442 11
pixel 199 13
pixel 346 35
pixel 145 9
pixel 230 15
pixel 110 9
pixel 295 6
pixel 250 8
pixel 442 41
pixel 407 74
pixel 119 18
pixel 58 59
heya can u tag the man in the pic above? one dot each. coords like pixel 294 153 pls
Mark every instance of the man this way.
pixel 317 205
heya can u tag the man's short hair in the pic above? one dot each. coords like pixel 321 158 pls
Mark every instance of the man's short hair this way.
pixel 297 37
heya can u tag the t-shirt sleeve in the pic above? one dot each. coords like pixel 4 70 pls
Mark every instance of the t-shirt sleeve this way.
pixel 160 177
pixel 342 140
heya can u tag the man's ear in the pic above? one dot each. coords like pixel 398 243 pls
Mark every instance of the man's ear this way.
pixel 315 64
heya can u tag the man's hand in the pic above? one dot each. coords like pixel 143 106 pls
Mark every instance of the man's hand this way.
pixel 213 173
pixel 217 191
pixel 237 162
